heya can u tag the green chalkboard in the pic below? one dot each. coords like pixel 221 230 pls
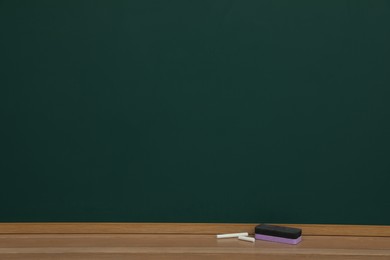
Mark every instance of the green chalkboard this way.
pixel 195 111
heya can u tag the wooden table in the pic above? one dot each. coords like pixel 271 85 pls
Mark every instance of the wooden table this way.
pixel 184 241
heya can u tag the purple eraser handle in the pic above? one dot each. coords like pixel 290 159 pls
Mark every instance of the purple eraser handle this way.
pixel 279 239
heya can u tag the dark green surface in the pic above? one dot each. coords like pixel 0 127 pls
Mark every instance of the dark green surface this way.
pixel 195 111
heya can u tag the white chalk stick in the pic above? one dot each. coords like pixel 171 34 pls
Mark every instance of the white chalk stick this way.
pixel 232 235
pixel 249 239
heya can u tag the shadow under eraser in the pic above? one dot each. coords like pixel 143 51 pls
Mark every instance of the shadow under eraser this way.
pixel 287 235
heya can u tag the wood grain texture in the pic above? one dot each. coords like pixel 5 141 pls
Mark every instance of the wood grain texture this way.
pixel 185 246
pixel 183 228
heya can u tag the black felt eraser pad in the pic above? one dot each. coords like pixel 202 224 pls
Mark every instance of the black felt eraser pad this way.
pixel 278 231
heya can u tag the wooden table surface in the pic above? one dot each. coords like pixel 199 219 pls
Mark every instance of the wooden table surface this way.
pixel 164 245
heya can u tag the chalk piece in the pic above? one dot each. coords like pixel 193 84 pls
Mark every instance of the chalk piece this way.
pixel 249 239
pixel 232 235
